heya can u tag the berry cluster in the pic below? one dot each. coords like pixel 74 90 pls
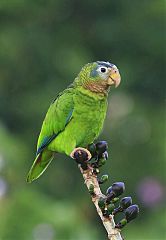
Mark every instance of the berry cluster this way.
pixel 108 202
pixel 99 156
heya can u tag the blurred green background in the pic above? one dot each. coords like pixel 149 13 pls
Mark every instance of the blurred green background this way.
pixel 43 45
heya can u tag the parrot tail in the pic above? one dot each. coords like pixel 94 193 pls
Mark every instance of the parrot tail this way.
pixel 40 164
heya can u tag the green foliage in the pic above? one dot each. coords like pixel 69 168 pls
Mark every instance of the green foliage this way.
pixel 43 46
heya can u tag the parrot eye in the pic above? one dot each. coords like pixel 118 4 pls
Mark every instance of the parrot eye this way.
pixel 103 69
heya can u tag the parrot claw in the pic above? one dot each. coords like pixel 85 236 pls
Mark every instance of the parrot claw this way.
pixel 79 150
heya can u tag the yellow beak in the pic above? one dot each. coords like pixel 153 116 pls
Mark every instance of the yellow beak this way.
pixel 114 77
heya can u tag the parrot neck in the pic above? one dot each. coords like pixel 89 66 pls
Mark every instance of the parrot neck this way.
pixel 92 94
pixel 97 87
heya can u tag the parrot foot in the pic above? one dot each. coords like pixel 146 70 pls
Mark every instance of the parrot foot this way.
pixel 81 153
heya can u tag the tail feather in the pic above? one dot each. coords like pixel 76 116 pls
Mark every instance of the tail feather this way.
pixel 40 164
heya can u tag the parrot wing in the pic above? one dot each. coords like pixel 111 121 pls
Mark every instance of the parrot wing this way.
pixel 58 116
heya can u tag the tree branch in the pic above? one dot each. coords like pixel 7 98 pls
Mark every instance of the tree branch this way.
pixel 108 222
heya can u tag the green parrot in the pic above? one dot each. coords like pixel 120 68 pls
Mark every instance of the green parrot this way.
pixel 75 118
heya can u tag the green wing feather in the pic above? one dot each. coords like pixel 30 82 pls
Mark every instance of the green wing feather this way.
pixel 58 116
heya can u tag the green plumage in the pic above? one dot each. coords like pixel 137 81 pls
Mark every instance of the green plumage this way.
pixel 74 119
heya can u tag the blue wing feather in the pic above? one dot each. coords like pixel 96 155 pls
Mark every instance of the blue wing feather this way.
pixel 48 139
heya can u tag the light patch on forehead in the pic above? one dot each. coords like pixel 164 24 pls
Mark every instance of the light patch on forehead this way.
pixel 106 64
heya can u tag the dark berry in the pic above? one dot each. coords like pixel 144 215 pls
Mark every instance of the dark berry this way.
pixel 101 147
pixel 125 202
pixel 131 212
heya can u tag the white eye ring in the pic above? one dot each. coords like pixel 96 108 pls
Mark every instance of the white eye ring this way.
pixel 103 69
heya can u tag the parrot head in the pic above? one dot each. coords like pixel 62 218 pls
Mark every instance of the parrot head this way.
pixel 98 76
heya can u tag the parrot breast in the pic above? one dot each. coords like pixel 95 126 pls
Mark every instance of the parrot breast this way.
pixel 89 117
